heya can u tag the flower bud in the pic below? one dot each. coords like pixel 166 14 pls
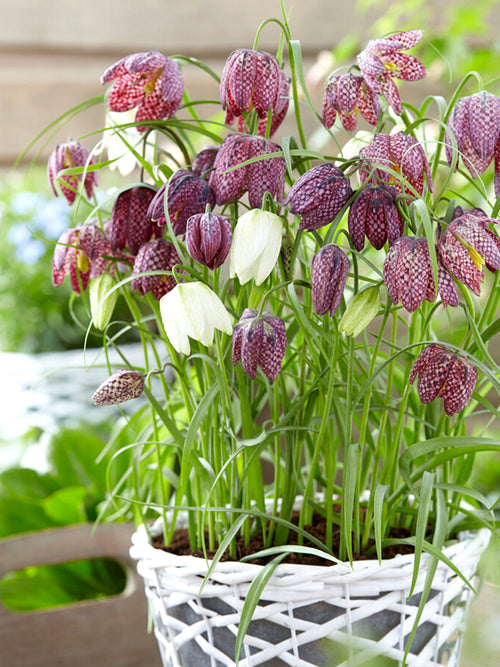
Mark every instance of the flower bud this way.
pixel 208 238
pixel 102 304
pixel 361 310
pixel 330 267
pixel 120 387
pixel 259 341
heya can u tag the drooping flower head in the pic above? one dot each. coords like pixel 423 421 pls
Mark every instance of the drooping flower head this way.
pixel 383 60
pixel 158 255
pixel 130 224
pixel 204 161
pixel 67 156
pixel 348 95
pixel 266 175
pixel 329 271
pixel 444 373
pixel 318 195
pixel 259 341
pixel 208 238
pixel 149 81
pixel 123 385
pixel 374 214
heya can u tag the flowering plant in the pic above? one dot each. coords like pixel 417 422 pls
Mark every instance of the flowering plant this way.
pixel 302 314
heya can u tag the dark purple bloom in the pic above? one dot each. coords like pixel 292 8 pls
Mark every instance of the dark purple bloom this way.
pixel 259 341
pixel 149 81
pixel 204 161
pixel 266 175
pixel 318 196
pixel 330 267
pixel 279 109
pixel 188 194
pixel 208 238
pixel 122 386
pixel 130 224
pixel 159 255
pixel 443 373
pixel 66 156
pixel 349 95
pixel 374 213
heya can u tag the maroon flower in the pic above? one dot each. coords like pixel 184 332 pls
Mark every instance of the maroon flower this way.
pixel 444 374
pixel 158 255
pixel 330 267
pixel 400 153
pixel 204 161
pixel 208 238
pixel 266 175
pixel 409 278
pixel 67 156
pixel 130 224
pixel 122 386
pixel 279 109
pixel 349 95
pixel 149 81
pixel 188 194
pixel 382 61
pixel 466 245
pixel 475 122
pixel 259 341
pixel 374 213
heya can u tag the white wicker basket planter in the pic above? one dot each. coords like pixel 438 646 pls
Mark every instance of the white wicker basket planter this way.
pixel 334 616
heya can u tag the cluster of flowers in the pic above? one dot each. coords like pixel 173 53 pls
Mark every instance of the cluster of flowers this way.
pixel 392 167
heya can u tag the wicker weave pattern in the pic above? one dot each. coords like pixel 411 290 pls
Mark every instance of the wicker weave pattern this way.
pixel 334 616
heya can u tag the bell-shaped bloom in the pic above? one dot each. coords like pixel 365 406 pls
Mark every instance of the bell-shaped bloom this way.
pixel 444 373
pixel 208 238
pixel 150 82
pixel 329 271
pixel 130 224
pixel 256 246
pixel 187 195
pixel 193 310
pixel 318 196
pixel 383 60
pixel 360 311
pixel 259 340
pixel 475 123
pixel 229 181
pixel 401 154
pixel 68 156
pixel 204 161
pixel 348 95
pixel 124 385
pixel 158 255
pixel 409 278
pixel 374 214
pixel 466 245
pixel 279 110
pixel 102 300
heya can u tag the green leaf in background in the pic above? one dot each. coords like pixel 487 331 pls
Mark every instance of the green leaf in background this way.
pixel 67 506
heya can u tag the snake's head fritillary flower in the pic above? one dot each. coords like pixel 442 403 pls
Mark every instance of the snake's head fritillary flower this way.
pixel 383 60
pixel 279 110
pixel 443 373
pixel 318 196
pixel 348 95
pixel 259 177
pixel 360 311
pixel 374 214
pixel 400 153
pixel 208 238
pixel 330 267
pixel 67 156
pixel 124 385
pixel 150 82
pixel 466 245
pixel 192 310
pixel 187 195
pixel 102 300
pixel 130 224
pixel 475 123
pixel 204 161
pixel 158 255
pixel 256 246
pixel 259 340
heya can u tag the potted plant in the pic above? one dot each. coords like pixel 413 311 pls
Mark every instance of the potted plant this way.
pixel 325 317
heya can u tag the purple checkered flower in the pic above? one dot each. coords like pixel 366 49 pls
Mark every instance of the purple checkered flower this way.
pixel 159 255
pixel 475 123
pixel 149 81
pixel 374 214
pixel 130 224
pixel 383 60
pixel 466 246
pixel 443 373
pixel 266 175
pixel 204 161
pixel 124 385
pixel 259 340
pixel 208 238
pixel 67 156
pixel 349 95
pixel 318 196
pixel 330 267
pixel 188 194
